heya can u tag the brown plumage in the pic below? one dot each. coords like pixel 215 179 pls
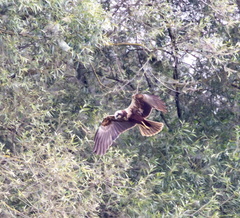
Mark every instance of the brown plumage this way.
pixel 139 109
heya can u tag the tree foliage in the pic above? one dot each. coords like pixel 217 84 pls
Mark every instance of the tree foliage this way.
pixel 64 65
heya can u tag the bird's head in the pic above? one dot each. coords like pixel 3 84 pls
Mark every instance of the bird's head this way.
pixel 121 114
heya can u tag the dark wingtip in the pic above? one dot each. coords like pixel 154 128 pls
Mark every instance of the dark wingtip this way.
pixel 160 105
pixel 102 144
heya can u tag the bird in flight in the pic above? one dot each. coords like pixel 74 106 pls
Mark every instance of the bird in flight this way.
pixel 137 112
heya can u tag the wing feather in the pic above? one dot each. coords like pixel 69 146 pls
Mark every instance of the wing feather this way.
pixel 109 131
pixel 144 104
pixel 155 102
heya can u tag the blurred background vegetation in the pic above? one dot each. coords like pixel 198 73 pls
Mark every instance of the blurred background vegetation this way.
pixel 64 65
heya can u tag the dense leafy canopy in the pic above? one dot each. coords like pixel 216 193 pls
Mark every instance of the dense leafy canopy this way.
pixel 64 65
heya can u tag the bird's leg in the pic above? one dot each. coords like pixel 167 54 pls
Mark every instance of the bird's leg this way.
pixel 145 125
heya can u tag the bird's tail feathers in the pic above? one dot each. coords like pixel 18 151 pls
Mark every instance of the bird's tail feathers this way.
pixel 150 128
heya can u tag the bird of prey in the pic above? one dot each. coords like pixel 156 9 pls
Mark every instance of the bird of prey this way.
pixel 137 112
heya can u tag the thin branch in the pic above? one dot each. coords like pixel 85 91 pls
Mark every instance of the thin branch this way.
pixel 163 83
pixel 9 32
pixel 165 121
pixel 120 81
pixel 175 74
pixel 140 61
pixel 99 81
pixel 131 44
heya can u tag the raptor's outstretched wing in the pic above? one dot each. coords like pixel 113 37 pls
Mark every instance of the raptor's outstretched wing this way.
pixel 108 131
pixel 145 103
